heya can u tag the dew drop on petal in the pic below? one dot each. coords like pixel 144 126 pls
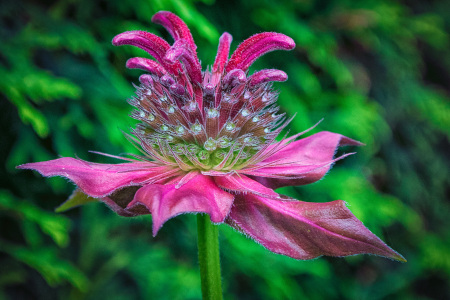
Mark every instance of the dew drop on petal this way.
pixel 245 112
pixel 203 155
pixel 220 154
pixel 178 148
pixel 164 128
pixel 142 114
pixel 171 109
pixel 224 142
pixel 212 113
pixel 210 144
pixel 151 117
pixel 196 128
pixel 230 126
pixel 180 130
pixel 255 119
pixel 192 148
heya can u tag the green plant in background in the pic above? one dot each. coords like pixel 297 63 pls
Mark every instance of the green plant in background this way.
pixel 208 145
pixel 377 71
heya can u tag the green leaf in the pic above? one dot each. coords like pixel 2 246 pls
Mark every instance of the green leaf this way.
pixel 76 199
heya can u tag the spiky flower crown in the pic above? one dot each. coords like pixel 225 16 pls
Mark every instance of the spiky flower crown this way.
pixel 220 119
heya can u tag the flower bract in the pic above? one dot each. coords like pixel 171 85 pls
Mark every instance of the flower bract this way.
pixel 208 143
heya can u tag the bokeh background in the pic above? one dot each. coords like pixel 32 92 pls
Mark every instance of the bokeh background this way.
pixel 377 71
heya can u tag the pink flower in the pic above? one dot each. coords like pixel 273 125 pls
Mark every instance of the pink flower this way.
pixel 208 144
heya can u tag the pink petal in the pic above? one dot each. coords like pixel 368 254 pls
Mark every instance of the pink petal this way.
pixel 267 75
pixel 222 52
pixel 200 194
pixel 180 50
pixel 97 180
pixel 301 162
pixel 147 41
pixel 146 65
pixel 304 230
pixel 242 184
pixel 175 26
pixel 146 79
pixel 256 46
pixel 233 78
pixel 119 200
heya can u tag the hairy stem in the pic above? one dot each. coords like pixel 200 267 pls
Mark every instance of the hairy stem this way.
pixel 208 256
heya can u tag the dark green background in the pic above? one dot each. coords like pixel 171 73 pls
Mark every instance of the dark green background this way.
pixel 376 71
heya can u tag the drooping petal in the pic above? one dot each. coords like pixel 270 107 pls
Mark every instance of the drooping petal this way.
pixel 175 26
pixel 267 75
pixel 242 184
pixel 147 41
pixel 256 46
pixel 146 65
pixel 301 162
pixel 304 230
pixel 222 52
pixel 233 78
pixel 97 180
pixel 119 200
pixel 180 50
pixel 200 194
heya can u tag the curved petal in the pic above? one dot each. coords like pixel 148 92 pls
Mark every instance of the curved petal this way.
pixel 146 65
pixel 256 46
pixel 301 162
pixel 267 75
pixel 200 194
pixel 147 41
pixel 175 26
pixel 242 184
pixel 304 230
pixel 97 180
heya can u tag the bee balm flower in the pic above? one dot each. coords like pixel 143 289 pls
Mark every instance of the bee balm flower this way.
pixel 208 144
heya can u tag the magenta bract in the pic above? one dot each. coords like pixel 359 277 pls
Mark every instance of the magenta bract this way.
pixel 208 139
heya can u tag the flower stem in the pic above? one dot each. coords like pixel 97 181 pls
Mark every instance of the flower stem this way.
pixel 208 256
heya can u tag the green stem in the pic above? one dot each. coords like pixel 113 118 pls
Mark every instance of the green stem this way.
pixel 208 256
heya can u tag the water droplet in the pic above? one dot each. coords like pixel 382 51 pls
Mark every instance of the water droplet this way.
pixel 255 119
pixel 224 142
pixel 142 114
pixel 192 148
pixel 148 92
pixel 265 97
pixel 169 138
pixel 180 130
pixel 151 117
pixel 230 126
pixel 226 97
pixel 210 144
pixel 196 128
pixel 171 109
pixel 245 112
pixel 247 95
pixel 203 155
pixel 212 113
pixel 163 98
pixel 164 128
pixel 266 130
pixel 220 154
pixel 178 148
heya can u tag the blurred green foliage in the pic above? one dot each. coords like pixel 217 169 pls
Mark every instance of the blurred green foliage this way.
pixel 377 71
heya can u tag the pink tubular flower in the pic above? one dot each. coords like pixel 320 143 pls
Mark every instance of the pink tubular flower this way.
pixel 208 144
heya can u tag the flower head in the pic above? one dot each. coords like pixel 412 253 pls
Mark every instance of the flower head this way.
pixel 208 146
